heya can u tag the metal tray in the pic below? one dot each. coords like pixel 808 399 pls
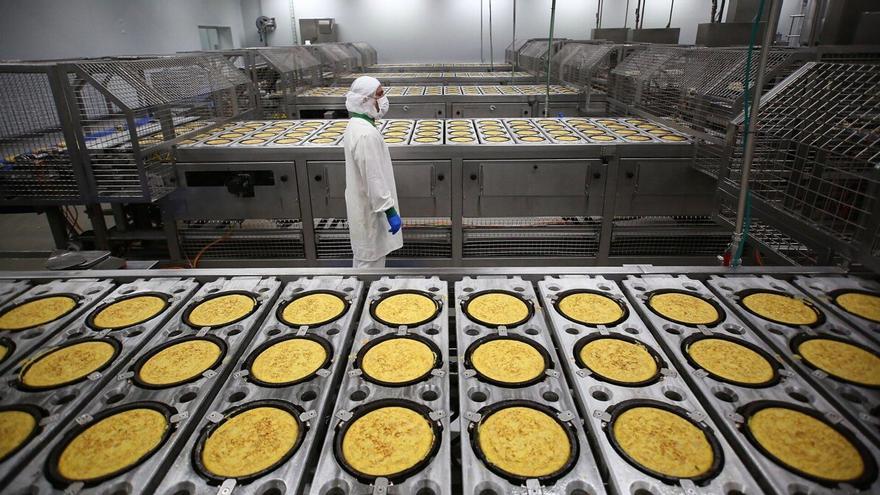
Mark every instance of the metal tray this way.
pixel 56 405
pixel 733 415
pixel 431 393
pixel 310 397
pixel 861 404
pixel 26 341
pixel 551 391
pixel 598 396
pixel 182 403
pixel 822 288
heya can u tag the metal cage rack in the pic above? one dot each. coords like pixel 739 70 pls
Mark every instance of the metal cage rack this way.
pixel 336 58
pixel 585 63
pixel 369 55
pixel 814 173
pixel 699 87
pixel 279 74
pixel 126 114
pixel 532 55
pixel 38 153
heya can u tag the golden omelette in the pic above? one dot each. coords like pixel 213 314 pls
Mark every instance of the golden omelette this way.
pixel 221 310
pixel 524 442
pixel 783 309
pixel 387 441
pixel 663 442
pixel 3 352
pixel 112 444
pixel 591 309
pixel 36 312
pixel 731 361
pixel 619 360
pixel 15 428
pixel 312 309
pixel 806 444
pixel 497 308
pixel 842 360
pixel 67 364
pixel 865 305
pixel 685 308
pixel 288 361
pixel 250 442
pixel 508 361
pixel 180 362
pixel 128 312
pixel 405 309
pixel 398 360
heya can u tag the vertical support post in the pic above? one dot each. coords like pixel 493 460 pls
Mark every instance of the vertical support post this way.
pixel 749 154
pixel 549 56
pixel 457 177
pixel 99 226
pixel 57 226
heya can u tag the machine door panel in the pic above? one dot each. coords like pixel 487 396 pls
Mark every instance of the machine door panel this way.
pixel 472 110
pixel 236 190
pixel 530 188
pixel 663 186
pixel 416 111
pixel 422 187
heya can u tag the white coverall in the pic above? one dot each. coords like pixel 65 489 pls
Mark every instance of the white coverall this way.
pixel 369 181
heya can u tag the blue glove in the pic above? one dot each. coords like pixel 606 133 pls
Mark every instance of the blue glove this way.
pixel 393 220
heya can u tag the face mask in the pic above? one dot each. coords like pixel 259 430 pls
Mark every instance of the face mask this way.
pixel 383 106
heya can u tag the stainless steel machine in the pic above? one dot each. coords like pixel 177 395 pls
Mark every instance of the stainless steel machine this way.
pixel 442 101
pixel 458 397
pixel 473 191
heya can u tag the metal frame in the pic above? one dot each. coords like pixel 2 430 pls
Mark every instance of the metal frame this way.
pixel 127 114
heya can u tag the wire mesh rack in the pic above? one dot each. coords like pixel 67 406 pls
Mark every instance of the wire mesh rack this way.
pixel 369 55
pixel 817 150
pixel 772 240
pixel 532 55
pixel 280 74
pixel 423 238
pixel 211 239
pixel 696 86
pixel 518 237
pixel 336 58
pixel 38 161
pixel 127 114
pixel 646 236
pixel 578 62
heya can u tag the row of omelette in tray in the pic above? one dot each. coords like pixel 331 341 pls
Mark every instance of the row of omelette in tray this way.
pixel 787 434
pixel 437 90
pixel 401 132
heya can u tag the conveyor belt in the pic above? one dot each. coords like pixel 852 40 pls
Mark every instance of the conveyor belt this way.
pixel 422 90
pixel 586 403
pixel 489 132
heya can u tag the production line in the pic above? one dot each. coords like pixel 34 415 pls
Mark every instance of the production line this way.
pixel 501 381
pixel 463 101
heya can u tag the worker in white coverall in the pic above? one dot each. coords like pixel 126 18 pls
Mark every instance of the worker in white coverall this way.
pixel 370 193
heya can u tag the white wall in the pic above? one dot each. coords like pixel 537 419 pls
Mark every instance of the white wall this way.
pixel 401 30
pixel 449 30
pixel 43 29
